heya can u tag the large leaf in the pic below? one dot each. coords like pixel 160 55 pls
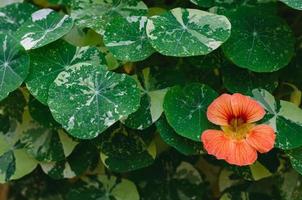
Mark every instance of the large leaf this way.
pixel 96 14
pixel 260 41
pixel 187 32
pixel 96 99
pixel 44 27
pixel 126 38
pixel 14 15
pixel 124 150
pixel 14 65
pixel 103 187
pixel 284 117
pixel 185 108
pixel 182 144
pixel 296 4
pixel 47 62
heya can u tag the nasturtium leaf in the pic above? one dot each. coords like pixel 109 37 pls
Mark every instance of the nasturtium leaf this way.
pixel 185 108
pixel 124 149
pixel 295 156
pixel 4 3
pixel 96 14
pixel 103 187
pixel 296 4
pixel 86 99
pixel 46 144
pixel 126 38
pixel 44 26
pixel 171 180
pixel 260 41
pixel 14 15
pixel 15 161
pixel 284 117
pixel 151 105
pixel 238 80
pixel 181 144
pixel 47 62
pixel 187 32
pixel 14 64
pixel 73 165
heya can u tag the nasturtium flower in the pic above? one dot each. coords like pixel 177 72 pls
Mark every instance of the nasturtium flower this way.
pixel 239 138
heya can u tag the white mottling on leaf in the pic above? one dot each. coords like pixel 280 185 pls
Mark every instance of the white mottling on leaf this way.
pixel 41 14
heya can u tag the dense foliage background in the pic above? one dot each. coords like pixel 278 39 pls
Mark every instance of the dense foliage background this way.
pixel 106 99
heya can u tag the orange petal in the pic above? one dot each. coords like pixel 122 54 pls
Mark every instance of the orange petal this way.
pixel 246 108
pixel 216 143
pixel 262 138
pixel 220 110
pixel 241 153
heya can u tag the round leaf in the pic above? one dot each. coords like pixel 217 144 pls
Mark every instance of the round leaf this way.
pixel 126 38
pixel 260 41
pixel 187 32
pixel 185 109
pixel 44 27
pixel 296 4
pixel 96 99
pixel 47 62
pixel 14 65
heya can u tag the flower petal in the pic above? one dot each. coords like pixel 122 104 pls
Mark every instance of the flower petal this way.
pixel 216 143
pixel 262 138
pixel 241 153
pixel 247 108
pixel 220 110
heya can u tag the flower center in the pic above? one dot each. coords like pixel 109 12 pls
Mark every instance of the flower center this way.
pixel 237 128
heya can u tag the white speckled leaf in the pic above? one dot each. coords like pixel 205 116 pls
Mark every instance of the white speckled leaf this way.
pixel 95 14
pixel 296 4
pixel 14 65
pixel 47 62
pixel 185 109
pixel 284 117
pixel 103 187
pixel 4 3
pixel 44 27
pixel 14 15
pixel 86 99
pixel 126 38
pixel 260 41
pixel 187 32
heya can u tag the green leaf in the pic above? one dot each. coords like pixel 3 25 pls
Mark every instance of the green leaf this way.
pixel 96 99
pixel 182 144
pixel 103 187
pixel 47 62
pixel 126 38
pixel 124 150
pixel 8 2
pixel 187 32
pixel 14 65
pixel 260 41
pixel 44 26
pixel 46 144
pixel 284 117
pixel 238 80
pixel 151 105
pixel 185 108
pixel 96 14
pixel 73 165
pixel 296 4
pixel 14 15
pixel 295 156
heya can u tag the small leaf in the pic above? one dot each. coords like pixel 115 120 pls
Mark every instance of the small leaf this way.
pixel 44 26
pixel 96 99
pixel 185 109
pixel 187 32
pixel 14 65
pixel 260 41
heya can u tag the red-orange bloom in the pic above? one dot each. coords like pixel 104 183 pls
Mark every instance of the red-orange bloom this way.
pixel 240 138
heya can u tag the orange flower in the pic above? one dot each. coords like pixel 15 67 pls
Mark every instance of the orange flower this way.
pixel 240 138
